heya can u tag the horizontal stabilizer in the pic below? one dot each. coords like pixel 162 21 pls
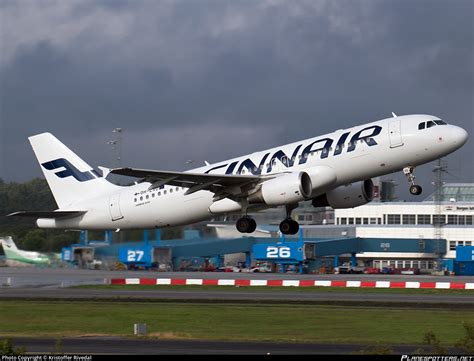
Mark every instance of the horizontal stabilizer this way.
pixel 45 214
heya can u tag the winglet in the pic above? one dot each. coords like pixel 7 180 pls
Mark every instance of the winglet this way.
pixel 394 115
pixel 207 163
pixel 105 171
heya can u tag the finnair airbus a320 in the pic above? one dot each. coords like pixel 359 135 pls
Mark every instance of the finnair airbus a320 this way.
pixel 333 169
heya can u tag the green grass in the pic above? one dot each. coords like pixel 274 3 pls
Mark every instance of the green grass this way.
pixel 269 322
pixel 459 292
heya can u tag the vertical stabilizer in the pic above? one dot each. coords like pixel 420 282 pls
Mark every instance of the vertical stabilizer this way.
pixel 70 178
pixel 9 247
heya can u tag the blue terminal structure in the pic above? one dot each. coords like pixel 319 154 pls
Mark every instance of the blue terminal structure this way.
pixel 299 253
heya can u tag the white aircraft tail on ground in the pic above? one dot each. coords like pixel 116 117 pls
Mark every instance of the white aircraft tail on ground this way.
pixel 17 257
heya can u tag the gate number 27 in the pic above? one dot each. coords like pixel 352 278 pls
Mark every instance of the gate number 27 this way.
pixel 134 255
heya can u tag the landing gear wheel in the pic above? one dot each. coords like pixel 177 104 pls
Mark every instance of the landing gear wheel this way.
pixel 253 225
pixel 246 225
pixel 289 226
pixel 415 190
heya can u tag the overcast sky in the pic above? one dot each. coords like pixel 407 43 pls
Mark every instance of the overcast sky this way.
pixel 210 80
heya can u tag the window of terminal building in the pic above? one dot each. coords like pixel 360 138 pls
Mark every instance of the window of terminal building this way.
pixel 468 243
pixel 373 220
pixel 468 219
pixel 300 217
pixel 343 220
pixel 452 219
pixel 365 220
pixel 439 219
pixel 358 221
pixel 309 217
pixel 424 219
pixel 393 219
pixel 461 219
pixel 350 220
pixel 409 219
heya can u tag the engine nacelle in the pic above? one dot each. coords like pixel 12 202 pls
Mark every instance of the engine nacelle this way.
pixel 286 189
pixel 322 179
pixel 347 196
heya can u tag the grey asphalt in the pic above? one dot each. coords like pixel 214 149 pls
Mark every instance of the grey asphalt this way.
pixel 34 283
pixel 123 346
pixel 238 296
pixel 54 277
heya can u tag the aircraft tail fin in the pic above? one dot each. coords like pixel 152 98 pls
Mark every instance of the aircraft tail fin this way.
pixel 69 177
pixel 8 244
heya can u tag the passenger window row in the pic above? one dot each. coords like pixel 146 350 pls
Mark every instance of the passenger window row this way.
pixel 157 194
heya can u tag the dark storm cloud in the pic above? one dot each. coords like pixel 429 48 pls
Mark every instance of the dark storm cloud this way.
pixel 216 79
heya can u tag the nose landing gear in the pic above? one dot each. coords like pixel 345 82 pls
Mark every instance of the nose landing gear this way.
pixel 414 188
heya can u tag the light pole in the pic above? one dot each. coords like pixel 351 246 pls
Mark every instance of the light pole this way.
pixel 118 141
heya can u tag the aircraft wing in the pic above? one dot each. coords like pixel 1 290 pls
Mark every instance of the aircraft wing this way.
pixel 43 214
pixel 217 183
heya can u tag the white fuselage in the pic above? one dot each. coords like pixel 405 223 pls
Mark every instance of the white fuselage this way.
pixel 354 154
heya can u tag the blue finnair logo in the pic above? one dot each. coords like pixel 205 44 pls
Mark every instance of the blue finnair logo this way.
pixel 325 147
pixel 69 170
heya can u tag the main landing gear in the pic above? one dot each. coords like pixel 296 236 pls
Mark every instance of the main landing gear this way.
pixel 414 188
pixel 246 225
pixel 288 225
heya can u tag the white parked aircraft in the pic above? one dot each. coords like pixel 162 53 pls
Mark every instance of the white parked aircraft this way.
pixel 333 169
pixel 18 257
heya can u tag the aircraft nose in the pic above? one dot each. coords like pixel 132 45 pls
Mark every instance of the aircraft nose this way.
pixel 459 136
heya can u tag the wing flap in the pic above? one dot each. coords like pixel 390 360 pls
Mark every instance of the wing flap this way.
pixel 46 214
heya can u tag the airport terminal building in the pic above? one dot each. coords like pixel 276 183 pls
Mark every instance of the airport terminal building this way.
pixel 454 214
pixel 403 234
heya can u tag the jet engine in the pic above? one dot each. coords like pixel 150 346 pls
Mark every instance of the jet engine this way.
pixel 347 196
pixel 286 189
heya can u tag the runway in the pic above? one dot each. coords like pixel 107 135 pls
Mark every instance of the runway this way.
pixel 57 277
pixel 167 295
pixel 30 283
pixel 135 346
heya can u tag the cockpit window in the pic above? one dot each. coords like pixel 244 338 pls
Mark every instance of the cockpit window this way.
pixel 421 126
pixel 430 124
pixel 440 122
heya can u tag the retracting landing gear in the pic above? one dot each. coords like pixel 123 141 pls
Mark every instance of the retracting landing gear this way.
pixel 288 225
pixel 414 188
pixel 246 225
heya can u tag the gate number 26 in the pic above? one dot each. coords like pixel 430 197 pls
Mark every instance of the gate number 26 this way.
pixel 278 252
